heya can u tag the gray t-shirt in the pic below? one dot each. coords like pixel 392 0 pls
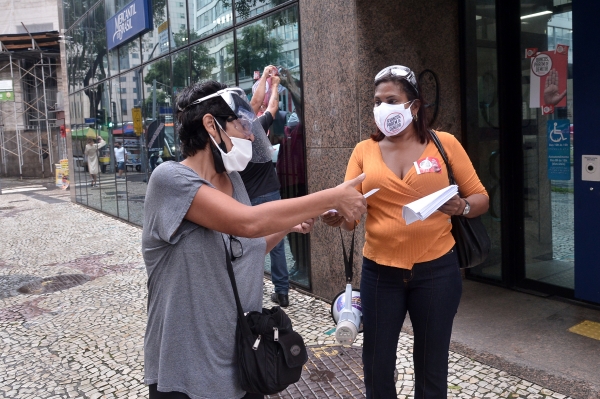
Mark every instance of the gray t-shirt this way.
pixel 190 337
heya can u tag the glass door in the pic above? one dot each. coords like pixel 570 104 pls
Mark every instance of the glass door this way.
pixel 547 132
pixel 482 134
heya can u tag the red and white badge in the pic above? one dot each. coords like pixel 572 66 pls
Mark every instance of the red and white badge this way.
pixel 428 165
pixel 531 52
pixel 562 49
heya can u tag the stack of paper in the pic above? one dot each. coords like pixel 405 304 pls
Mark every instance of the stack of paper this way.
pixel 422 208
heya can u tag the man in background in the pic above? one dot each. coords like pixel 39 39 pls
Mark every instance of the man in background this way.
pixel 261 179
pixel 120 159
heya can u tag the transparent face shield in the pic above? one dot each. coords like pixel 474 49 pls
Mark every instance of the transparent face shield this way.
pixel 236 99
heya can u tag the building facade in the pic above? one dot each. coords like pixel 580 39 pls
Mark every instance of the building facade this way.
pixel 483 67
pixel 30 99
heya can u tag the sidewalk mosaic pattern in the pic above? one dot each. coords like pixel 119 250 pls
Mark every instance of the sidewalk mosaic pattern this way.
pixel 84 339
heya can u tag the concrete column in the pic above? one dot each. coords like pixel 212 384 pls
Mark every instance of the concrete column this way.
pixel 344 44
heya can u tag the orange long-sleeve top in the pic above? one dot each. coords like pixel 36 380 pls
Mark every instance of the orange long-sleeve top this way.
pixel 389 241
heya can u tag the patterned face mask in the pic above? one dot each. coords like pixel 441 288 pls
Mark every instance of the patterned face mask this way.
pixel 392 119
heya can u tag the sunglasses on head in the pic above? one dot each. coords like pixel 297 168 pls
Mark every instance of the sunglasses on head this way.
pixel 400 71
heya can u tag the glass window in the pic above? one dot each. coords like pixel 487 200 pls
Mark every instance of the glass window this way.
pixel 245 9
pixel 79 62
pixel 213 59
pixel 180 63
pixel 482 141
pixel 135 169
pixel 91 98
pixel 78 144
pixel 157 113
pixel 115 190
pixel 178 30
pixel 209 17
pixel 548 149
pixel 96 44
pixel 260 44
pixel 156 42
pixel 112 6
pixel 129 55
pixel 107 185
pixel 73 10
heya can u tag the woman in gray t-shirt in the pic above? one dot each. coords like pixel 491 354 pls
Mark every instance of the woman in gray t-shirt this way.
pixel 194 210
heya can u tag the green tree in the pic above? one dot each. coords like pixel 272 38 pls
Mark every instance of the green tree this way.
pixel 256 49
pixel 87 53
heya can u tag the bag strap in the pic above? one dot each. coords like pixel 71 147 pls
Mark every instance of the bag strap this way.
pixel 440 148
pixel 240 310
pixel 348 258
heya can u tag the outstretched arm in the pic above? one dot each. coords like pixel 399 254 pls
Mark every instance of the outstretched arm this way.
pixel 218 211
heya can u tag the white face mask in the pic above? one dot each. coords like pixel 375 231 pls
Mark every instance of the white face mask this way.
pixel 239 156
pixel 391 119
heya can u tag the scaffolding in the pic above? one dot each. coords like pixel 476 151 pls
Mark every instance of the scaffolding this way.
pixel 26 122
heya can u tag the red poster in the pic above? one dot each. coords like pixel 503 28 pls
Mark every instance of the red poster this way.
pixel 531 52
pixel 549 79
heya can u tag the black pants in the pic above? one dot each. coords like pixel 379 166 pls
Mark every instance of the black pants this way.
pixel 155 394
pixel 430 292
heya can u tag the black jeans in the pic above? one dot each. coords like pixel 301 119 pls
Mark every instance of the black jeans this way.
pixel 430 292
pixel 155 394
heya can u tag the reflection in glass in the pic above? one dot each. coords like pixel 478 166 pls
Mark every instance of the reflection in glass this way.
pixel 180 63
pixel 107 183
pixel 158 113
pixel 208 17
pixel 78 59
pixel 73 10
pixel 156 42
pixel 245 9
pixel 265 43
pixel 129 55
pixel 95 44
pixel 549 203
pixel 178 32
pixel 213 59
pixel 129 99
pixel 482 142
pixel 78 145
pixel 119 194
pixel 92 145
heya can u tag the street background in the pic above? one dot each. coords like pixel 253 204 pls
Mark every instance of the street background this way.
pixel 73 311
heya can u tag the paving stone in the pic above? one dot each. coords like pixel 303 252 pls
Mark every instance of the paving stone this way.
pixel 86 340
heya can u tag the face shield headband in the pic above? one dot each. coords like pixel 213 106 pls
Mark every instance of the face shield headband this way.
pixel 400 71
pixel 237 101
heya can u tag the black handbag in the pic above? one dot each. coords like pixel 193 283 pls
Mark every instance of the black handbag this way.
pixel 472 241
pixel 270 354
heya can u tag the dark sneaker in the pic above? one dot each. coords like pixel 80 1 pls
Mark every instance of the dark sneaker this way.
pixel 281 299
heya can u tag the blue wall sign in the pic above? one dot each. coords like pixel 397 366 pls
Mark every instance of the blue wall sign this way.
pixel 559 149
pixel 133 19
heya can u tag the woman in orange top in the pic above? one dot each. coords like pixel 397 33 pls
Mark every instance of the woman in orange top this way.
pixel 408 268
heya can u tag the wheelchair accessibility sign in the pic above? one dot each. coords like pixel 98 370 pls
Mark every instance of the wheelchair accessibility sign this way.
pixel 559 149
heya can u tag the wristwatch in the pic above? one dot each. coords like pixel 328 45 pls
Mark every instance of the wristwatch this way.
pixel 467 207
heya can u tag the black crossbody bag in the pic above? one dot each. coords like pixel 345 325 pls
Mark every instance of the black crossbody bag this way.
pixel 270 354
pixel 472 241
